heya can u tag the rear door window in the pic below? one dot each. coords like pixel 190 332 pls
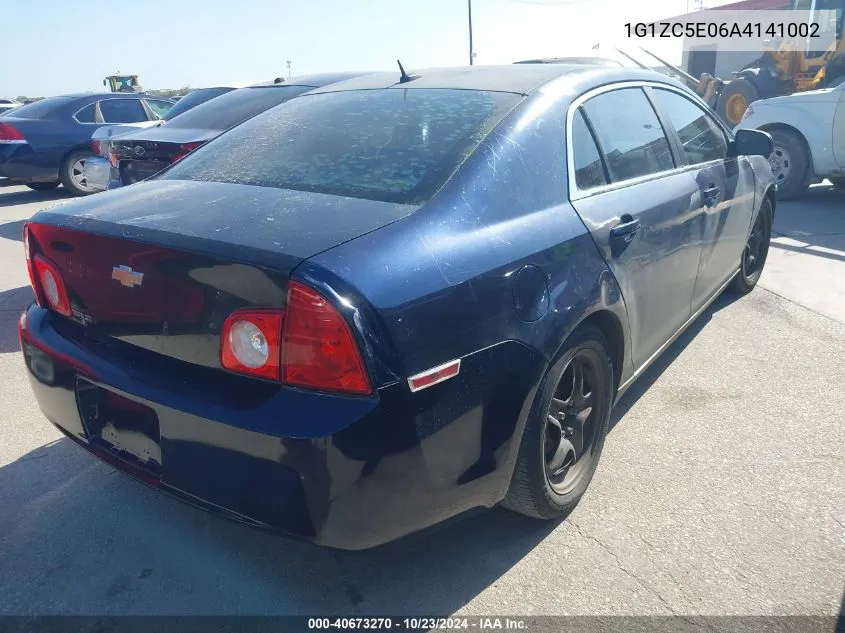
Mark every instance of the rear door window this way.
pixel 630 134
pixel 589 170
pixel 122 111
pixel 391 144
pixel 702 140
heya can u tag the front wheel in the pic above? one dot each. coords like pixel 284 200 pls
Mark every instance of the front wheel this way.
pixel 755 252
pixel 564 437
pixel 73 174
pixel 790 162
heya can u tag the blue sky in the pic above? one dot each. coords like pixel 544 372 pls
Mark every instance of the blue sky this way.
pixel 60 46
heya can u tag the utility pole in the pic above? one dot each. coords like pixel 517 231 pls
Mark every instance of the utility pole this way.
pixel 288 63
pixel 469 13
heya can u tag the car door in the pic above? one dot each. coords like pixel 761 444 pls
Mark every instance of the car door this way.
pixel 125 110
pixel 640 209
pixel 726 185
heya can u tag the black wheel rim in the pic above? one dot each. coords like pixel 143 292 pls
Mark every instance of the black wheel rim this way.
pixel 572 421
pixel 754 255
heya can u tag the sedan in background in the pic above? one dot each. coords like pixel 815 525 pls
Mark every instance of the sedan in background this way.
pixel 46 143
pixel 7 105
pixel 97 169
pixel 396 298
pixel 138 156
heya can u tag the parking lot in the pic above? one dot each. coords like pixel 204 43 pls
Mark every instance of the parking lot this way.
pixel 721 489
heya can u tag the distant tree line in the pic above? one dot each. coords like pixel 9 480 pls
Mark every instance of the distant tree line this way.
pixel 162 92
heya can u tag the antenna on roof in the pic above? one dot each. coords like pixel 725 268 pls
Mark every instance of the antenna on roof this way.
pixel 405 77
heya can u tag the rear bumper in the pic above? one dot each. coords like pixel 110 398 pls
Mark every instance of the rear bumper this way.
pixel 19 162
pixel 374 470
pixel 97 171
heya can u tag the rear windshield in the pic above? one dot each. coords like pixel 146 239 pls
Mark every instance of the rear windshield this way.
pixel 236 107
pixel 393 145
pixel 41 109
pixel 193 99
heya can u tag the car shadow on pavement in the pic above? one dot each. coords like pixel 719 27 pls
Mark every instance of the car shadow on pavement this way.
pixel 815 219
pixel 12 230
pixel 662 363
pixel 12 303
pixel 13 198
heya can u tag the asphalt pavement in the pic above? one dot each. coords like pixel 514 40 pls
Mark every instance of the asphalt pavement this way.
pixel 721 490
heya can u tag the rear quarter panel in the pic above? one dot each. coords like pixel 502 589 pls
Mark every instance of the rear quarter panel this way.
pixel 497 269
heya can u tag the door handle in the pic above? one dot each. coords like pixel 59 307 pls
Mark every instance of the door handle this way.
pixel 710 195
pixel 625 230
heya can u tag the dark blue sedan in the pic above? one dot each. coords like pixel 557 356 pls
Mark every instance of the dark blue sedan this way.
pixel 46 143
pixel 396 298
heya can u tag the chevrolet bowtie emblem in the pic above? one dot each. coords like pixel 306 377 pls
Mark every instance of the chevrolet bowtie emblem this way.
pixel 126 276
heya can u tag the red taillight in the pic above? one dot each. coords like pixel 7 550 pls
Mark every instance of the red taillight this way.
pixel 307 345
pixel 96 147
pixel 251 343
pixel 51 285
pixel 319 350
pixel 10 134
pixel 185 149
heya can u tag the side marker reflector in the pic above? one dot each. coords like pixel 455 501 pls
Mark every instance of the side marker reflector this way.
pixel 434 375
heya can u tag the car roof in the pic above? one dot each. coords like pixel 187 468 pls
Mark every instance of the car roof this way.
pixel 313 81
pixel 517 78
pixel 589 60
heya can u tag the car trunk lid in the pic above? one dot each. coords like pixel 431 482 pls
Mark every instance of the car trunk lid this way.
pixel 161 264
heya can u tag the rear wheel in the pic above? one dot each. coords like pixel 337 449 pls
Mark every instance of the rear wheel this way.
pixel 755 252
pixel 42 186
pixel 565 434
pixel 790 163
pixel 72 174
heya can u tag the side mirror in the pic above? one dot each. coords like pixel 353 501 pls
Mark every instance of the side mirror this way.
pixel 753 143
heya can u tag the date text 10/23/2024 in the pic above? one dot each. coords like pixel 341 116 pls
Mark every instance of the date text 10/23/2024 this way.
pixel 418 623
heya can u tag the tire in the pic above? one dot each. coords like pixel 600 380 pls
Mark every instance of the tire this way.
pixel 532 491
pixel 749 275
pixel 790 163
pixel 42 186
pixel 838 183
pixel 69 174
pixel 734 100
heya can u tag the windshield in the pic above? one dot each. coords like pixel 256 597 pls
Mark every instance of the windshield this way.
pixel 193 99
pixel 236 107
pixel 393 145
pixel 41 109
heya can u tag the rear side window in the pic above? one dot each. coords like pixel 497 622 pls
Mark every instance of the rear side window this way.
pixel 589 171
pixel 629 133
pixel 86 114
pixel 702 139
pixel 122 111
pixel 393 145
pixel 43 109
pixel 236 107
